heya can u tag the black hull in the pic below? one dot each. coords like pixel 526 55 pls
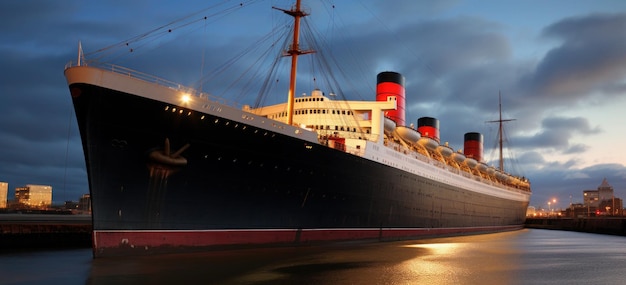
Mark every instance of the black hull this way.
pixel 241 177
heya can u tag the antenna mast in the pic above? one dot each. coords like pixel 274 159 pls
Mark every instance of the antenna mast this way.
pixel 294 52
pixel 500 130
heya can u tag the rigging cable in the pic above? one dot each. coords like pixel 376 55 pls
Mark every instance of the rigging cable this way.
pixel 168 28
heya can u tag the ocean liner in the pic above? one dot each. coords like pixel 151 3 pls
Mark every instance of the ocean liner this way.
pixel 173 169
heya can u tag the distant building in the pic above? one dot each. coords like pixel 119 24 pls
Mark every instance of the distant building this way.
pixel 605 191
pixel 611 207
pixel 591 199
pixel 578 210
pixel 70 205
pixel 84 204
pixel 4 189
pixel 602 201
pixel 36 196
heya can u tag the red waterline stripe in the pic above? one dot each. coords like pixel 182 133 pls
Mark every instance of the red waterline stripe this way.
pixel 199 238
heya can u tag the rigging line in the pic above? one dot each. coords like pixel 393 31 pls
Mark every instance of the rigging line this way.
pixel 323 60
pixel 230 62
pixel 147 34
pixel 146 40
pixel 359 63
pixel 329 76
pixel 272 76
pixel 267 84
pixel 203 60
pixel 247 71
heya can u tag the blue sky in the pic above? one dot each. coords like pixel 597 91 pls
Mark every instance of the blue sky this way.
pixel 560 66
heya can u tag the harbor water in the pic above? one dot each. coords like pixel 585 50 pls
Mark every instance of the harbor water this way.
pixel 529 256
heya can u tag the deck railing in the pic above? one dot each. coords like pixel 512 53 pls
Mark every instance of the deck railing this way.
pixel 154 79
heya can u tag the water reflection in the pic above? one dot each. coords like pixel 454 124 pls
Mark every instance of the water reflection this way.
pixel 483 259
pixel 520 257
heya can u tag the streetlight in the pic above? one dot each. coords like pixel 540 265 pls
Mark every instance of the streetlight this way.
pixel 553 201
pixel 549 209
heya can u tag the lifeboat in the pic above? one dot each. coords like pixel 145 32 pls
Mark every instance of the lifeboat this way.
pixel 429 143
pixel 516 181
pixel 390 126
pixel 445 150
pixel 471 162
pixel 504 177
pixel 482 167
pixel 491 170
pixel 407 134
pixel 458 157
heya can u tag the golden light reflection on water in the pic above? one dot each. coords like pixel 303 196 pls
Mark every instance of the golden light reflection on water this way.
pixel 438 248
pixel 436 266
pixel 467 260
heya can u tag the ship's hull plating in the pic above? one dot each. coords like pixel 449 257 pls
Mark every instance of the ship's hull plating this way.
pixel 243 185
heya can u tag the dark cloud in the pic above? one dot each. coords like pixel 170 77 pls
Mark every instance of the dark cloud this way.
pixel 590 56
pixel 532 159
pixel 576 149
pixel 557 134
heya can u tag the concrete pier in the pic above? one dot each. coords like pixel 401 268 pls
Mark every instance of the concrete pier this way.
pixel 599 225
pixel 25 231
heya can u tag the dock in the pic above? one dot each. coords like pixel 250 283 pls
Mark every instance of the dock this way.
pixel 598 225
pixel 35 231
pixel 32 231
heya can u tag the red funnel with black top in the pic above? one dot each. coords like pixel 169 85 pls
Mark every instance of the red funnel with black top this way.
pixel 428 127
pixel 473 146
pixel 391 83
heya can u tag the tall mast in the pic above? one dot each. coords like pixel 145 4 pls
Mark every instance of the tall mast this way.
pixel 500 129
pixel 294 51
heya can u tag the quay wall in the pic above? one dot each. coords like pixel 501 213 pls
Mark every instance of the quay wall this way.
pixel 599 225
pixel 28 231
pixel 22 231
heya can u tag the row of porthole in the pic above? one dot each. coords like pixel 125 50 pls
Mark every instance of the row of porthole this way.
pixel 234 160
pixel 179 110
pixel 218 109
pixel 236 125
pixel 217 120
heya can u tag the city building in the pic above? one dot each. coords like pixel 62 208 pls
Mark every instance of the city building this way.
pixel 602 201
pixel 591 199
pixel 84 204
pixel 4 190
pixel 611 207
pixel 35 196
pixel 605 191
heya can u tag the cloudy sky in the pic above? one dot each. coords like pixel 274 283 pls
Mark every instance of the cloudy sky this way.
pixel 559 65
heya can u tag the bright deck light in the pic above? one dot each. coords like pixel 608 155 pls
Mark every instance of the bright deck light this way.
pixel 186 98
